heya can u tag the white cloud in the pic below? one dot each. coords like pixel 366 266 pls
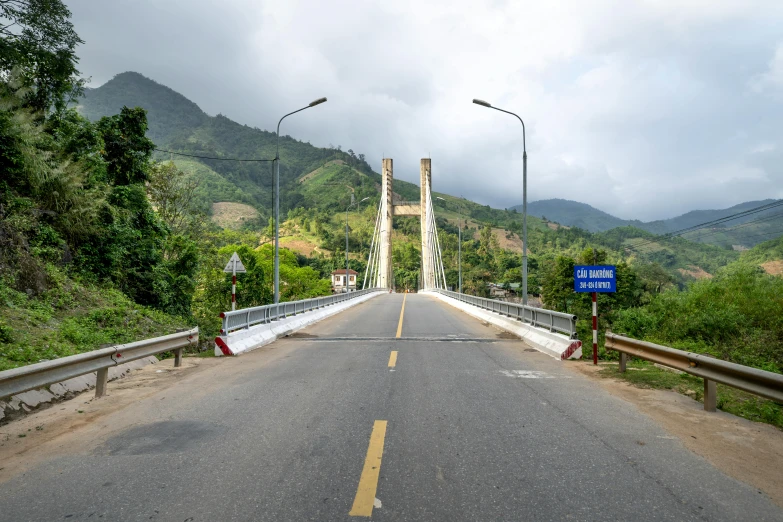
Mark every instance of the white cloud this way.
pixel 628 105
pixel 771 80
pixel 763 147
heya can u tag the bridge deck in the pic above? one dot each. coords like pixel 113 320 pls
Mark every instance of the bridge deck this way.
pixel 478 427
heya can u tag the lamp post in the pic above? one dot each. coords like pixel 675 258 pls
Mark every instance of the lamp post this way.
pixel 277 197
pixel 347 279
pixel 459 245
pixel 524 197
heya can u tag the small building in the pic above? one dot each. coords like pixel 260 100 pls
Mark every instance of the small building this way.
pixel 339 283
pixel 499 290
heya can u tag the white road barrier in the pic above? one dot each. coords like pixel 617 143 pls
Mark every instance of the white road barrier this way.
pixel 243 340
pixel 557 345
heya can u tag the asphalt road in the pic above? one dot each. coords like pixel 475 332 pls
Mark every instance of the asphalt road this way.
pixel 471 425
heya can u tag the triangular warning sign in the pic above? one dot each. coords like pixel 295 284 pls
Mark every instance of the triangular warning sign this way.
pixel 235 265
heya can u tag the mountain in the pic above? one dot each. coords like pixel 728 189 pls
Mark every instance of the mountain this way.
pixel 177 124
pixel 316 185
pixel 575 214
pixel 168 111
pixel 740 233
pixel 310 177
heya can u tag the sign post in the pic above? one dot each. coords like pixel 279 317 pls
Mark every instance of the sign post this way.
pixel 594 279
pixel 234 267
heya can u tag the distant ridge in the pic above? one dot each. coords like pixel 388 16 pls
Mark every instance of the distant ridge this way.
pixel 576 214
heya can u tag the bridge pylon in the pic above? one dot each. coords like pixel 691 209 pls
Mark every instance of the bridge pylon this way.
pixel 388 208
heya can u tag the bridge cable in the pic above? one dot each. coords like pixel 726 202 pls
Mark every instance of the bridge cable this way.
pixel 372 246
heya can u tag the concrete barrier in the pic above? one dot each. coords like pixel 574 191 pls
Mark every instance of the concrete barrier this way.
pixel 557 345
pixel 241 341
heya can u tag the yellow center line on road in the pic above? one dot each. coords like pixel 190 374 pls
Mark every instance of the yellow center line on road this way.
pixel 393 359
pixel 402 313
pixel 368 483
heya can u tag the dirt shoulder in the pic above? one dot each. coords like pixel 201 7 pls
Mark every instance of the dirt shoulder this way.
pixel 61 427
pixel 748 451
pixel 77 425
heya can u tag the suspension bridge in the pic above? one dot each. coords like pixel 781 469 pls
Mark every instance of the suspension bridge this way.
pixel 374 405
pixel 379 272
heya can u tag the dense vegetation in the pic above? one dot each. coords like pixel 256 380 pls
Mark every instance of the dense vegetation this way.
pixel 98 242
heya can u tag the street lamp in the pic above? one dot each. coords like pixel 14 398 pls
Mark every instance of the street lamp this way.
pixel 347 279
pixel 524 197
pixel 277 197
pixel 459 245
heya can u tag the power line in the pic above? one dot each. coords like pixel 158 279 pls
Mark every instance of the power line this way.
pixel 737 227
pixel 211 158
pixel 766 234
pixel 752 222
pixel 713 222
pixel 772 234
pixel 718 221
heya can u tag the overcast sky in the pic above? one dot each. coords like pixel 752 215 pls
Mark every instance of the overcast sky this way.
pixel 645 109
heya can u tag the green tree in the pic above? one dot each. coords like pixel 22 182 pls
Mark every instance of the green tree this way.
pixel 37 43
pixel 406 260
pixel 173 196
pixel 653 278
pixel 557 290
pixel 127 150
pixel 47 199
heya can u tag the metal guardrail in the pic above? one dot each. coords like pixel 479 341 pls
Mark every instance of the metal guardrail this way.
pixel 539 317
pixel 752 380
pixel 247 317
pixel 25 378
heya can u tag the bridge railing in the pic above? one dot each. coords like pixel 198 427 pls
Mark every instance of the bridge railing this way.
pixel 247 317
pixel 25 378
pixel 539 317
pixel 752 380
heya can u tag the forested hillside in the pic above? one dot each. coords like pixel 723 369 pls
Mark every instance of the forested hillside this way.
pixel 98 242
pixel 575 214
pixel 744 231
pixel 173 113
pixel 176 123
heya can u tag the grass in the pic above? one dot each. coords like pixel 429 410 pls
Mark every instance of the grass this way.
pixel 643 374
pixel 232 215
pixel 70 318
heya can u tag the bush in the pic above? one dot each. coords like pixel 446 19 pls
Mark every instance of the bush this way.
pixel 736 316
pixel 6 333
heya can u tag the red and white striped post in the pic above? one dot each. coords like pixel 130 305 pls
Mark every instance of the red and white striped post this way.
pixel 234 265
pixel 595 329
pixel 234 289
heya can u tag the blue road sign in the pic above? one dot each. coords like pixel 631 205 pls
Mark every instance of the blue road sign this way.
pixel 601 278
